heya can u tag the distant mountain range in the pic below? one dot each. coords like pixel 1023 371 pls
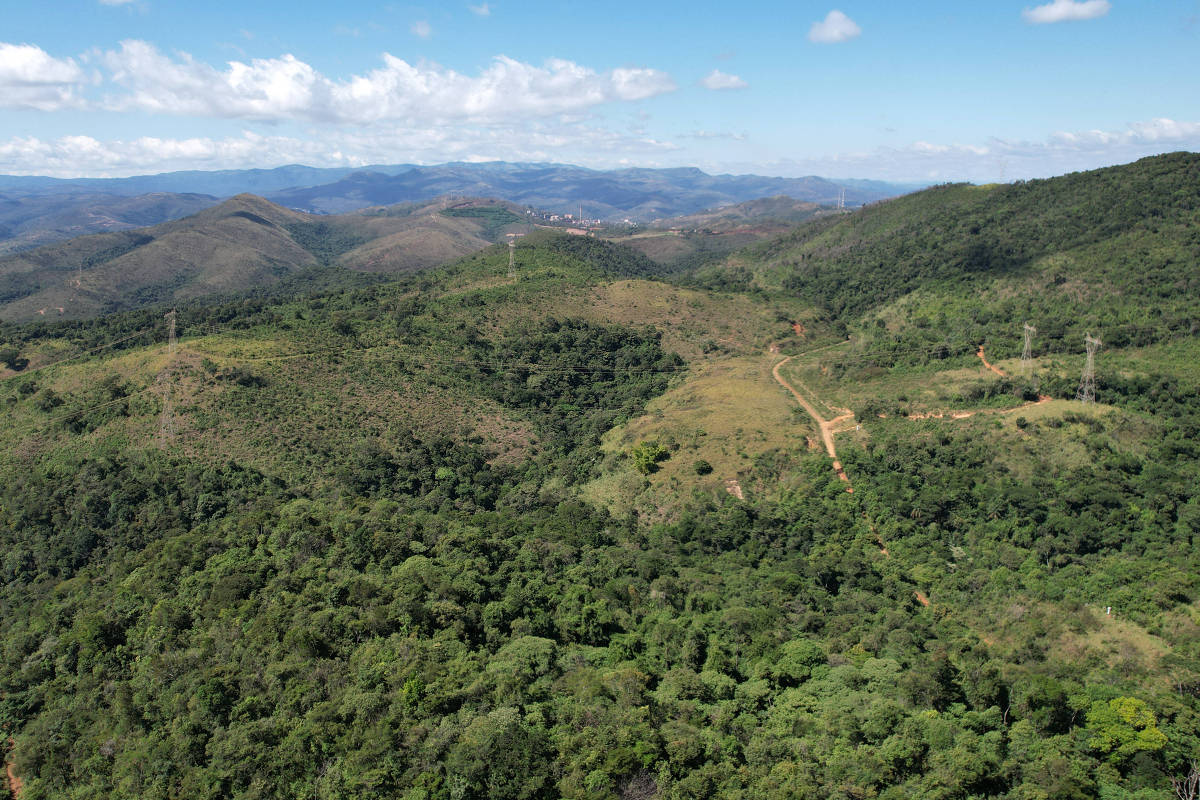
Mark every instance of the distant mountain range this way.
pixel 38 210
pixel 639 195
pixel 219 183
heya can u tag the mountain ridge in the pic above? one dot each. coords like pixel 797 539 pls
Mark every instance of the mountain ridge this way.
pixel 240 244
pixel 615 193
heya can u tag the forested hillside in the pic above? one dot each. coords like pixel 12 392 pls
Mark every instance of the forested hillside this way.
pixel 569 534
pixel 1115 248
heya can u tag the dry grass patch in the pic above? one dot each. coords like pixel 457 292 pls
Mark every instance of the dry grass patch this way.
pixel 726 413
pixel 694 323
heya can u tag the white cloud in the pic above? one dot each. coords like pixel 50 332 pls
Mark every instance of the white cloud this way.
pixel 32 78
pixel 483 10
pixel 579 142
pixel 264 89
pixel 85 156
pixel 1066 11
pixel 703 134
pixel 422 29
pixel 999 159
pixel 286 88
pixel 835 28
pixel 720 80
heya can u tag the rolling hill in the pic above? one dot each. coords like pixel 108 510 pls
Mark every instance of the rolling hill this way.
pixel 34 221
pixel 581 532
pixel 239 245
pixel 777 210
pixel 688 242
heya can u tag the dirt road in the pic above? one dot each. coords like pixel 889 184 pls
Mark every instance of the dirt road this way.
pixel 14 782
pixel 992 367
pixel 826 426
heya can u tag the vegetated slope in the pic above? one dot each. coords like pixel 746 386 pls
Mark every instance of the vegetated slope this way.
pixel 365 565
pixel 29 222
pixel 1112 246
pixel 242 244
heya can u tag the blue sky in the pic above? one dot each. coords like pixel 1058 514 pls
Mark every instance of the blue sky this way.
pixel 926 91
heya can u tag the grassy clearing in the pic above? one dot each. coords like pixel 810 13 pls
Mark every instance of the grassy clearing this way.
pixel 896 392
pixel 695 324
pixel 728 413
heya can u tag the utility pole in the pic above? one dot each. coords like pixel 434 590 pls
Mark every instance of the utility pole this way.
pixel 1087 384
pixel 1027 352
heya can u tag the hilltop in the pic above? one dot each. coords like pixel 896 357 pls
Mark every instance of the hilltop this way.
pixel 577 532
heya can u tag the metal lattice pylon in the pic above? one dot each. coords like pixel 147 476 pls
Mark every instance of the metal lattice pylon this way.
pixel 1087 384
pixel 1027 351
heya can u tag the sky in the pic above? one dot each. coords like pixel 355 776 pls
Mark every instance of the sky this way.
pixel 923 92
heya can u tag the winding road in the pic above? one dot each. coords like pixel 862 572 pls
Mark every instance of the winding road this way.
pixel 826 426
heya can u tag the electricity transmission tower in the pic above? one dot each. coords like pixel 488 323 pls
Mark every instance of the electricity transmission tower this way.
pixel 1087 384
pixel 1027 352
pixel 512 262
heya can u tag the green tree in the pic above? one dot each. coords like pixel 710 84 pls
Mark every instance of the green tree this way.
pixel 1123 727
pixel 647 455
pixel 500 757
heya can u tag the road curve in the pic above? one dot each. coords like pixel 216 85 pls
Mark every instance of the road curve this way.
pixel 825 426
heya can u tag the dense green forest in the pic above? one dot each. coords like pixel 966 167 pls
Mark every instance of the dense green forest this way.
pixel 371 561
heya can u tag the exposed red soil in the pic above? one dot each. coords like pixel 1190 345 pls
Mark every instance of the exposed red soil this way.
pixel 992 367
pixel 14 781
